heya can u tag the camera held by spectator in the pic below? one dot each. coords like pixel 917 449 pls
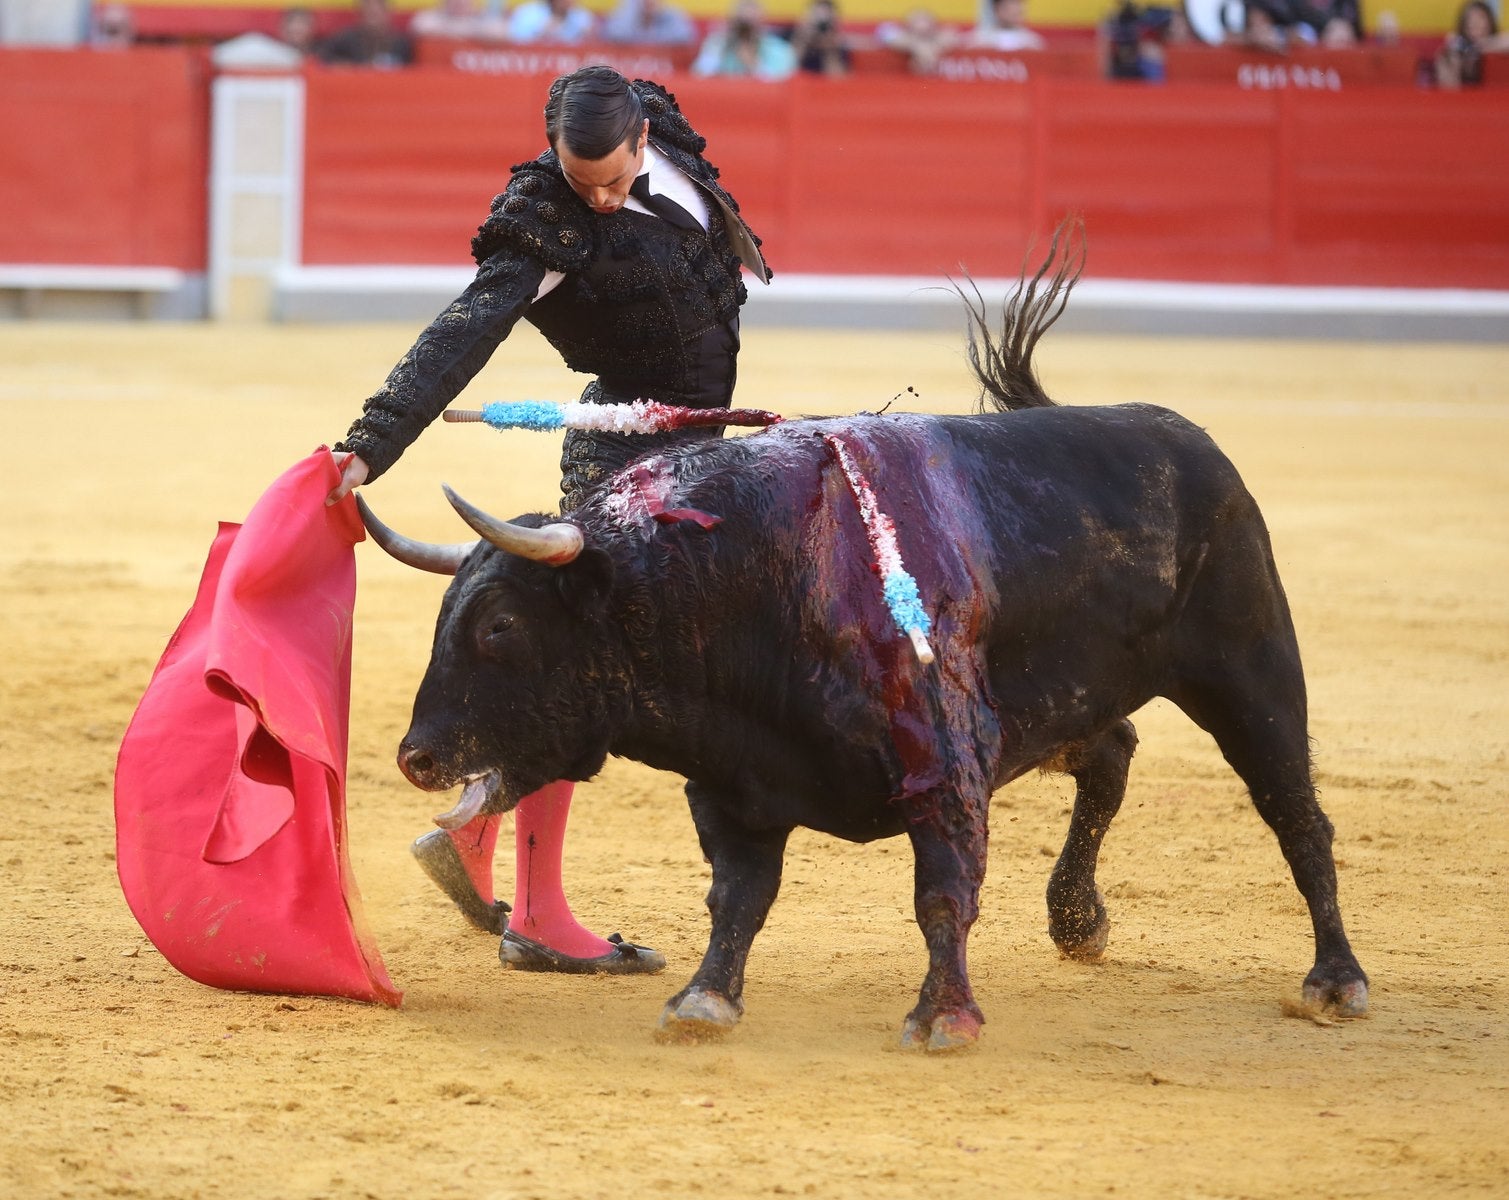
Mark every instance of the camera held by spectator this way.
pixel 745 46
pixel 1133 38
pixel 819 43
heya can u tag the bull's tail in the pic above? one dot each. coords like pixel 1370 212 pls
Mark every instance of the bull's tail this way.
pixel 1003 364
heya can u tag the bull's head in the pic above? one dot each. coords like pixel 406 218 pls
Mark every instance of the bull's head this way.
pixel 519 688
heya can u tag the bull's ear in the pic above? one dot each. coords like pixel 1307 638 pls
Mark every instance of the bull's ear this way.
pixel 585 582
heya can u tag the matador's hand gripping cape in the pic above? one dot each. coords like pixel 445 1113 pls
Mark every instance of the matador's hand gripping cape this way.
pixel 230 788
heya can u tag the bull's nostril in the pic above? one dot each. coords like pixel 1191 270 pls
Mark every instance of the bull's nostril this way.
pixel 416 764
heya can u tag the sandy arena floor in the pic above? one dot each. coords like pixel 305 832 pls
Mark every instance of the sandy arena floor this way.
pixel 1170 1070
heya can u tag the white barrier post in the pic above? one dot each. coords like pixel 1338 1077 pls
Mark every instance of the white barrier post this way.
pixel 256 190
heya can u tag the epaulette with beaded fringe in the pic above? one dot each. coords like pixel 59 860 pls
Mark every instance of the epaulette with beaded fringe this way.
pixel 539 215
pixel 667 122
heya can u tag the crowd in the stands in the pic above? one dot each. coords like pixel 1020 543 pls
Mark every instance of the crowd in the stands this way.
pixel 1131 40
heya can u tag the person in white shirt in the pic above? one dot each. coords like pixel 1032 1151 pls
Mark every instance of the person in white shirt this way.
pixel 462 19
pixel 1004 27
pixel 649 23
pixel 551 21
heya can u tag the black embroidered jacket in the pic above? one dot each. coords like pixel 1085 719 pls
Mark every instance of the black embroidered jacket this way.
pixel 638 293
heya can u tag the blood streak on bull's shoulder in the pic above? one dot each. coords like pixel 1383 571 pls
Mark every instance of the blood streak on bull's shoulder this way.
pixel 930 711
pixel 640 493
pixel 900 589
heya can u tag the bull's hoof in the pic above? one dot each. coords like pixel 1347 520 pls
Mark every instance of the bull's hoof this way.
pixel 1078 923
pixel 697 1016
pixel 1082 935
pixel 1090 947
pixel 946 1032
pixel 1349 999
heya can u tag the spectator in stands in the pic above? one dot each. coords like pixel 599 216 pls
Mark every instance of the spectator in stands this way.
pixel 638 285
pixel 561 22
pixel 746 46
pixel 374 41
pixel 1459 62
pixel 1386 29
pixel 921 37
pixel 1265 26
pixel 296 30
pixel 1131 41
pixel 818 40
pixel 1336 23
pixel 1006 28
pixel 459 19
pixel 649 23
pixel 1277 24
pixel 1337 34
pixel 111 27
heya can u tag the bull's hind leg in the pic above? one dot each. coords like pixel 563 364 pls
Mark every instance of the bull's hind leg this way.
pixel 1258 719
pixel 1077 918
pixel 746 877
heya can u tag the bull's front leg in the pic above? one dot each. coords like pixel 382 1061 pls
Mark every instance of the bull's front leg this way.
pixel 746 877
pixel 948 837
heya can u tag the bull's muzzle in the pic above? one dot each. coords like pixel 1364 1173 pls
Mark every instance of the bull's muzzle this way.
pixel 480 791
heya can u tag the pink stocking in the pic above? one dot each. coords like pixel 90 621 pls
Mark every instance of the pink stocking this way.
pixel 540 911
pixel 475 842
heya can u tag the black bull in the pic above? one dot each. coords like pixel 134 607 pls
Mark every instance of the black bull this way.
pixel 1075 562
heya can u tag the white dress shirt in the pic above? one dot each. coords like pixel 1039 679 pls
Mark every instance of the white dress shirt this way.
pixel 666 179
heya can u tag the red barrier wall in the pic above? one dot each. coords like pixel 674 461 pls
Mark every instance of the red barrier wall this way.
pixel 401 167
pixel 1375 186
pixel 104 157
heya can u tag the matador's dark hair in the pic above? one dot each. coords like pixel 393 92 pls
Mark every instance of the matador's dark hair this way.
pixel 592 112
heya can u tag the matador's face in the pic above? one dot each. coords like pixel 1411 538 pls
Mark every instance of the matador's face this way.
pixel 603 183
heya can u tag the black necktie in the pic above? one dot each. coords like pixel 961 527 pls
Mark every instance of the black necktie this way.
pixel 663 206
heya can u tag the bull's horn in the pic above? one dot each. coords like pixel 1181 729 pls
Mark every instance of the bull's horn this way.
pixel 427 556
pixel 555 544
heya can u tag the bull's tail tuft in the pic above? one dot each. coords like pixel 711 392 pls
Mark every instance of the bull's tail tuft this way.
pixel 1003 364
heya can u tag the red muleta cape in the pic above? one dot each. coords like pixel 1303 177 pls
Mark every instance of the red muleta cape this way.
pixel 230 786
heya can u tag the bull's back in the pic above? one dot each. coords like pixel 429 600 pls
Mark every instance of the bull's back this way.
pixel 1095 478
pixel 1122 538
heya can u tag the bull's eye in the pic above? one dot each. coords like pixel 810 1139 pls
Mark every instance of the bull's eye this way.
pixel 495 633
